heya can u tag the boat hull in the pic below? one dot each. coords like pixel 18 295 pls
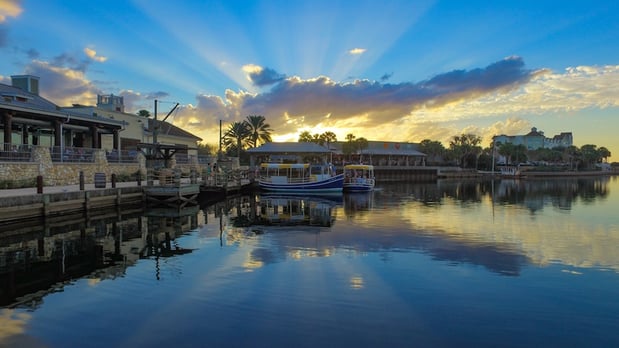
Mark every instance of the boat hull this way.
pixel 358 187
pixel 333 184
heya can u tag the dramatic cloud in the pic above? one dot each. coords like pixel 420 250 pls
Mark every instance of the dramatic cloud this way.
pixel 156 95
pixel 9 8
pixel 437 108
pixel 314 99
pixel 357 51
pixel 385 77
pixel 321 103
pixel 133 101
pixel 61 85
pixel 70 61
pixel 259 76
pixel 92 54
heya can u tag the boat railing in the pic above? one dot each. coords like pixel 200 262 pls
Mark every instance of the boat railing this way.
pixel 359 180
pixel 285 179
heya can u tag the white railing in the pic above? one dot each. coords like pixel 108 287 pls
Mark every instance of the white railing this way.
pixel 123 156
pixel 12 152
pixel 72 154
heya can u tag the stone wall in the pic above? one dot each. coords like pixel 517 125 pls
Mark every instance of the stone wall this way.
pixel 66 173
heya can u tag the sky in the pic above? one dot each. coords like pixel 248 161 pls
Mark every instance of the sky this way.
pixel 383 70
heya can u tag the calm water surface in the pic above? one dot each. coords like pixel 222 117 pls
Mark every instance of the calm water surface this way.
pixel 503 263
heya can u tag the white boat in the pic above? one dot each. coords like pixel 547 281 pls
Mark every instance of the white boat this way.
pixel 359 178
pixel 299 177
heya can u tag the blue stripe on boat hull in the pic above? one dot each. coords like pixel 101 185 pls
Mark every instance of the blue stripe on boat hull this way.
pixel 358 188
pixel 333 184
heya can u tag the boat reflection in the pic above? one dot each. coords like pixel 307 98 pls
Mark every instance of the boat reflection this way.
pixel 358 203
pixel 286 210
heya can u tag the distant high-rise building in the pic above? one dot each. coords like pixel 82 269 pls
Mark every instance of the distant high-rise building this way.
pixel 536 140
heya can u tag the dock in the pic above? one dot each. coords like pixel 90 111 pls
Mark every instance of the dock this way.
pixel 178 195
pixel 68 200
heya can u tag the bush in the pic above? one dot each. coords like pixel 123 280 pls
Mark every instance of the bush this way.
pixel 127 177
pixel 19 183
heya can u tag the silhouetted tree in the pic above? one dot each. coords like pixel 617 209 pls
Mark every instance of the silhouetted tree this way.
pixel 463 146
pixel 236 136
pixel 259 130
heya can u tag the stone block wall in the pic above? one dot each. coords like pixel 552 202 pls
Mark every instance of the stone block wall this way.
pixel 66 173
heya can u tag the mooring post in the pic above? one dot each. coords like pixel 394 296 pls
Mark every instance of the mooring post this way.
pixel 40 184
pixel 113 180
pixel 81 180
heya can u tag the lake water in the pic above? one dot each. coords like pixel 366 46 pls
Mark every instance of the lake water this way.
pixel 530 263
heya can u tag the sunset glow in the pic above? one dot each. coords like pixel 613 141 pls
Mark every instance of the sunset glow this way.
pixel 399 71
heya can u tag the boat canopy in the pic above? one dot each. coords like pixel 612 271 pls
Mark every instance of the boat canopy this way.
pixel 284 165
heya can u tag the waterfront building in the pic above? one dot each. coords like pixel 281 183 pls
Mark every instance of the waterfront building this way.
pixel 533 140
pixel 536 139
pixel 377 153
pixel 29 119
pixel 39 138
pixel 381 153
pixel 139 129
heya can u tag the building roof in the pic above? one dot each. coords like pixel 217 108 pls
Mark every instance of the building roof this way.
pixel 534 133
pixel 387 148
pixel 169 129
pixel 289 147
pixel 25 103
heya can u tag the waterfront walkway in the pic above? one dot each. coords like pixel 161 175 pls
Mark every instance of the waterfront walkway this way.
pixel 30 191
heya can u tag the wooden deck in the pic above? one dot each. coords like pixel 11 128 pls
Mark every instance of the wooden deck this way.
pixel 175 195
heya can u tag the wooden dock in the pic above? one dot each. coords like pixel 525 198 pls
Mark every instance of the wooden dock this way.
pixel 223 185
pixel 62 203
pixel 176 195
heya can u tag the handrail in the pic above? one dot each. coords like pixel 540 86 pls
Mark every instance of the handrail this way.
pixel 18 153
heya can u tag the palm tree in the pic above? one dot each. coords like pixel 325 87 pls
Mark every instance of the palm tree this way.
pixel 360 145
pixel 574 156
pixel 305 137
pixel 260 132
pixel 328 138
pixel 237 134
pixel 349 147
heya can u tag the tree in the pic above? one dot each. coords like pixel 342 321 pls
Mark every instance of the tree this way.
pixel 348 148
pixel 259 130
pixel 206 149
pixel 573 156
pixel 464 146
pixel 604 153
pixel 590 155
pixel 305 137
pixel 328 138
pixel 432 148
pixel 143 113
pixel 519 153
pixel 360 145
pixel 236 135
